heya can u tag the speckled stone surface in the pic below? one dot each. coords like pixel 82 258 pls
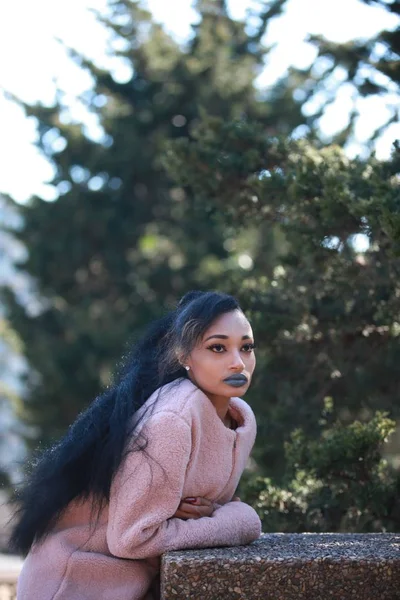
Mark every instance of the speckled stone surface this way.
pixel 285 566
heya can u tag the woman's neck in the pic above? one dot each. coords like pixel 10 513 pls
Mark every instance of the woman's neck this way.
pixel 221 405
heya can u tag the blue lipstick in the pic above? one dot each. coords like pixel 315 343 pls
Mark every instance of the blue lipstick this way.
pixel 236 380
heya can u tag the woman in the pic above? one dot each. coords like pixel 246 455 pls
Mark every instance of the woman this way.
pixel 152 465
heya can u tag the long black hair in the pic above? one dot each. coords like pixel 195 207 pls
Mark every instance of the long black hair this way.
pixel 83 463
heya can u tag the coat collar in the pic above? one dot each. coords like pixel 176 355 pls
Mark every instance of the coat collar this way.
pixel 238 408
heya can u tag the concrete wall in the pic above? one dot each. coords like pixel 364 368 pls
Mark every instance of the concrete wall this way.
pixel 288 567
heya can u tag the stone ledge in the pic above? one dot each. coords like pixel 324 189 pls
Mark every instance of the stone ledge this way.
pixel 286 566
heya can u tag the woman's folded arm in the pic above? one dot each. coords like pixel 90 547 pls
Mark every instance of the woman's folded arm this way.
pixel 147 491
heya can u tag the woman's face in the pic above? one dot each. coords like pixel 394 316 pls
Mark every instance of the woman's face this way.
pixel 224 353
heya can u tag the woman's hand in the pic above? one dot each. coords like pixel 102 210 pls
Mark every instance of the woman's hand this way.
pixel 195 508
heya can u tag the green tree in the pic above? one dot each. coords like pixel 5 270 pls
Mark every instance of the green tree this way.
pixel 370 66
pixel 338 482
pixel 326 314
pixel 122 243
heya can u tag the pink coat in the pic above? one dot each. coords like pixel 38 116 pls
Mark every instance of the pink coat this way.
pixel 192 454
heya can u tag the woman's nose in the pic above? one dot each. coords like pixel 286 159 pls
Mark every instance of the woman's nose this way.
pixel 237 362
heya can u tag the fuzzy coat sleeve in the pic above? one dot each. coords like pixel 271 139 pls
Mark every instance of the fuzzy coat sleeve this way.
pixel 146 493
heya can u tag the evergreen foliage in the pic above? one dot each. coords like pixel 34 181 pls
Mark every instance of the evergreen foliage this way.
pixel 338 482
pixel 326 315
pixel 122 243
pixel 369 66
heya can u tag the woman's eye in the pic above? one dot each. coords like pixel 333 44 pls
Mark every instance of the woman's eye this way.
pixel 249 347
pixel 218 347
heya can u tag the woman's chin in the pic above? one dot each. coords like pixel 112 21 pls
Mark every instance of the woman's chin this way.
pixel 240 392
pixel 225 390
pixel 236 390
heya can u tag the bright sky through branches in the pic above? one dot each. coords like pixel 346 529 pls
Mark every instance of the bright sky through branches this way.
pixel 34 63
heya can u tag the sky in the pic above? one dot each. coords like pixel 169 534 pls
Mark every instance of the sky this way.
pixel 34 64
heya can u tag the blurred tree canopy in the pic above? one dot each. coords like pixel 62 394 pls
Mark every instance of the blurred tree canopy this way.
pixel 196 184
pixel 369 66
pixel 326 315
pixel 122 243
pixel 338 482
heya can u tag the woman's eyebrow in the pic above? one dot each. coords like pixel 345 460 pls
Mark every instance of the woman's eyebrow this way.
pixel 220 336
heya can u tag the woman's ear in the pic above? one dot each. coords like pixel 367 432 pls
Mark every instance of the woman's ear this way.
pixel 183 361
pixel 179 357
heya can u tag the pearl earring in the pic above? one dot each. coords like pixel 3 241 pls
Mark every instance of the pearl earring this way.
pixel 187 367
